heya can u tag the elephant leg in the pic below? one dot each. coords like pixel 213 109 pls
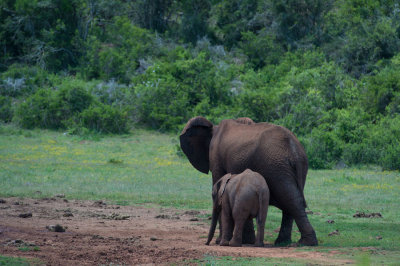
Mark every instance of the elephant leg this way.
pixel 236 240
pixel 308 236
pixel 261 218
pixel 291 202
pixel 227 227
pixel 285 233
pixel 249 235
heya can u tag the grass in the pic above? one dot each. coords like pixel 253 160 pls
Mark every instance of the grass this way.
pixel 139 168
pixel 14 261
pixel 143 167
pixel 212 260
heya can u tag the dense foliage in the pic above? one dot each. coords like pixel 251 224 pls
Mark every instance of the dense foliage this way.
pixel 329 70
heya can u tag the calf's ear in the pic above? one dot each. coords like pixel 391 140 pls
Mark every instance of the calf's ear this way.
pixel 195 142
pixel 223 182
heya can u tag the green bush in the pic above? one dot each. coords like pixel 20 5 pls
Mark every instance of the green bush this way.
pixel 323 147
pixel 261 49
pixel 118 57
pixel 70 107
pixel 49 108
pixel 168 94
pixel 104 119
pixel 382 90
pixel 38 110
pixel 72 98
pixel 20 80
pixel 6 112
pixel 384 140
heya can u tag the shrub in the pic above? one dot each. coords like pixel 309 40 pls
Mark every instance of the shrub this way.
pixel 6 112
pixel 168 94
pixel 104 119
pixel 261 49
pixel 323 147
pixel 48 108
pixel 118 57
pixel 21 80
pixel 113 93
pixel 256 98
pixel 38 110
pixel 384 140
pixel 72 98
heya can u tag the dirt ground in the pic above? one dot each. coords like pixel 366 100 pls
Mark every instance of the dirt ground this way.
pixel 97 233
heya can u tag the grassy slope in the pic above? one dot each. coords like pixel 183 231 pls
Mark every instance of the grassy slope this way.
pixel 144 168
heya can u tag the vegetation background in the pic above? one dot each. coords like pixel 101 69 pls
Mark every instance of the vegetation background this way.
pixel 329 70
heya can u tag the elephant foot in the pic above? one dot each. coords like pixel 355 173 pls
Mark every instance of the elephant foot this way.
pixel 218 240
pixel 248 235
pixel 233 243
pixel 308 240
pixel 224 243
pixel 283 242
pixel 249 239
pixel 259 244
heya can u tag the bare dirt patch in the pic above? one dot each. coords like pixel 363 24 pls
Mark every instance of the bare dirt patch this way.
pixel 99 233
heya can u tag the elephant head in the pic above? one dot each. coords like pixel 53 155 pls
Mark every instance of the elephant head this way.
pixel 195 141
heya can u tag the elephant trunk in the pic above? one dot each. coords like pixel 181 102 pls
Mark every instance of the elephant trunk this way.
pixel 214 220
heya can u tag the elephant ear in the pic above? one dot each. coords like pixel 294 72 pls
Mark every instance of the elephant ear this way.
pixel 195 142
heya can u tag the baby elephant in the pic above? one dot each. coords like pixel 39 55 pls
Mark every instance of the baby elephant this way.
pixel 239 198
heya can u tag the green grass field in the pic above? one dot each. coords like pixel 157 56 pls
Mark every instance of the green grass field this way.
pixel 144 167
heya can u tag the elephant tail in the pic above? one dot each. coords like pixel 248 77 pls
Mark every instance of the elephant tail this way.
pixel 299 163
pixel 301 173
pixel 214 220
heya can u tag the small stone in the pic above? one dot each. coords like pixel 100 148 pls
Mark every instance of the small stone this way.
pixel 378 237
pixel 25 215
pixel 163 216
pixel 59 195
pixel 68 214
pixel 367 215
pixel 336 232
pixel 117 216
pixel 153 238
pixel 192 212
pixel 56 228
pixel 99 203
pixel 330 221
pixel 193 219
pixel 2 201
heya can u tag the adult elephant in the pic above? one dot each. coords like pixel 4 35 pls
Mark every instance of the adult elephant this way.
pixel 271 150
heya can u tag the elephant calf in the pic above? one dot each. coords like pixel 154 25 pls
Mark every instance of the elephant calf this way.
pixel 239 198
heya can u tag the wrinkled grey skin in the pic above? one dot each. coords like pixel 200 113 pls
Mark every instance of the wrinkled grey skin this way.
pixel 270 150
pixel 239 198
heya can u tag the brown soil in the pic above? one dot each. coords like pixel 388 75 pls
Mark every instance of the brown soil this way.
pixel 97 233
